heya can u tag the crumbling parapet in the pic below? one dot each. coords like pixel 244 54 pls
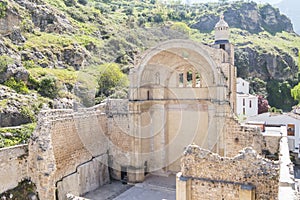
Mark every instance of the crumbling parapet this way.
pixel 239 136
pixel 245 176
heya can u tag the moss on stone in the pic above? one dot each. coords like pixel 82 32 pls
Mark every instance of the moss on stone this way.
pixel 26 190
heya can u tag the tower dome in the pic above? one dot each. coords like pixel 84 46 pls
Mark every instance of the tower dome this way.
pixel 222 32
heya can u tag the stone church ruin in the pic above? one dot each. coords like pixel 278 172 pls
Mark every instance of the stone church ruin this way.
pixel 181 93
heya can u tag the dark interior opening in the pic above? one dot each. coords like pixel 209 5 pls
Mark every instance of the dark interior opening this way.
pixel 222 46
pixel 148 95
pixel 124 177
pixel 146 170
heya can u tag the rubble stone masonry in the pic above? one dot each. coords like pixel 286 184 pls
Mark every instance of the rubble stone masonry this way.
pixel 245 176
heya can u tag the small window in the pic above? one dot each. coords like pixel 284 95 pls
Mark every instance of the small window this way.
pixel 244 111
pixel 243 102
pixel 250 104
pixel 148 95
pixel 198 80
pixel 180 79
pixel 222 46
pixel 189 78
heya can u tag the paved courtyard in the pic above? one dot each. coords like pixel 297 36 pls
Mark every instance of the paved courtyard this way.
pixel 153 188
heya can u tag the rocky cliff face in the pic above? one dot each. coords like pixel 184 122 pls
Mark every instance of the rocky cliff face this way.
pixel 264 48
pixel 16 23
pixel 246 16
pixel 44 34
pixel 265 65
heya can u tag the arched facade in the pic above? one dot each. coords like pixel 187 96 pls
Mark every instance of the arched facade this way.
pixel 180 93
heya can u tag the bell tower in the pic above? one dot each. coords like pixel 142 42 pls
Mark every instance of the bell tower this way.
pixel 222 36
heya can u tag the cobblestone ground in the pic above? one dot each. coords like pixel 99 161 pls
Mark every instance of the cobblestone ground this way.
pixel 153 188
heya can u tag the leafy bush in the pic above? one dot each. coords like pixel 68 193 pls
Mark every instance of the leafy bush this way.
pixel 77 15
pixel 279 94
pixel 263 105
pixel 275 110
pixel 28 64
pixel 4 62
pixel 48 87
pixel 18 86
pixel 110 80
pixel 295 92
pixel 18 135
pixel 3 8
pixel 181 27
pixel 28 113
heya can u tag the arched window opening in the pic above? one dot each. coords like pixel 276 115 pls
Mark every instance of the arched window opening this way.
pixel 181 77
pixel 189 78
pixel 198 80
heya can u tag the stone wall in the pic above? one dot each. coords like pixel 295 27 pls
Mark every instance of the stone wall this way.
pixel 238 137
pixel 67 148
pixel 244 176
pixel 13 166
pixel 272 144
pixel 88 176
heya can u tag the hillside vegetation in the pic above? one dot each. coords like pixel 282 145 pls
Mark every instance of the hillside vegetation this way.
pixel 54 52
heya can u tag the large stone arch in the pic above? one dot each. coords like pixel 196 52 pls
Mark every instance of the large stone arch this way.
pixel 164 117
pixel 200 59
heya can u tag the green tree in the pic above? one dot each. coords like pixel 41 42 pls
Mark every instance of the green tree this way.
pixel 48 87
pixel 258 86
pixel 279 95
pixel 110 80
pixel 295 92
pixel 181 27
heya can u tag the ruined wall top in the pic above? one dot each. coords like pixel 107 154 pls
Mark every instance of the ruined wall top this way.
pixel 245 168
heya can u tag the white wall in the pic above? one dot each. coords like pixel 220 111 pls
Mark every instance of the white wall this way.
pixel 247 105
pixel 242 86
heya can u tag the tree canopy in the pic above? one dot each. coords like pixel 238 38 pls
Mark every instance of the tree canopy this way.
pixel 110 79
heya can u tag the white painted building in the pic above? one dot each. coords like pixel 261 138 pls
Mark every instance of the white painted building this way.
pixel 246 104
pixel 290 120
